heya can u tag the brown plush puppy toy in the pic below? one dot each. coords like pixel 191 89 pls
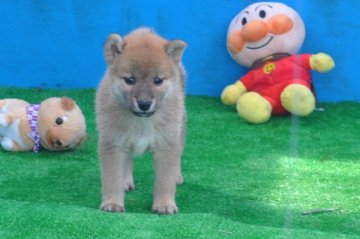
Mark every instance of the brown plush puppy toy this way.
pixel 57 124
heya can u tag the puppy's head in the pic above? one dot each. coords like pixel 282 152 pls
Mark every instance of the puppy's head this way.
pixel 144 69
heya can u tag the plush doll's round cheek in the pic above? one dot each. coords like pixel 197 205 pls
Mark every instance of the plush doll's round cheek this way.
pixel 257 30
pixel 280 24
pixel 235 42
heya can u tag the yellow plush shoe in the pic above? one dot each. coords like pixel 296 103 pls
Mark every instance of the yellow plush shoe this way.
pixel 254 108
pixel 298 100
pixel 232 93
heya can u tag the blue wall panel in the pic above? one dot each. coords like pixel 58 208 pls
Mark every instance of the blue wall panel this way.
pixel 58 44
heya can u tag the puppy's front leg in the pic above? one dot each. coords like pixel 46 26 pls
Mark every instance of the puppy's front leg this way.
pixel 167 166
pixel 113 164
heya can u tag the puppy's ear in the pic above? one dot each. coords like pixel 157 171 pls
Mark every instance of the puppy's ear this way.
pixel 114 45
pixel 175 49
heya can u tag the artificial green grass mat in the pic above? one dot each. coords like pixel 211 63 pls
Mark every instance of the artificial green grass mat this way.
pixel 241 180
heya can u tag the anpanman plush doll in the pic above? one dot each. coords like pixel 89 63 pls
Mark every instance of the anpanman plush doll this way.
pixel 265 37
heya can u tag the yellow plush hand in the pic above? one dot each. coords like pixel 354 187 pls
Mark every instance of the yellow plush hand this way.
pixel 321 62
pixel 232 93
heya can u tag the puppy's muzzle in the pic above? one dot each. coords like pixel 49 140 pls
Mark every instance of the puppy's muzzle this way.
pixel 144 108
pixel 144 105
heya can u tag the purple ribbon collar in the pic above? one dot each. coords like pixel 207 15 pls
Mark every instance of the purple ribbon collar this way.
pixel 32 112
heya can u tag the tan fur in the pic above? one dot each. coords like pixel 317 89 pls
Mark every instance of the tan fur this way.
pixel 70 133
pixel 143 56
pixel 15 128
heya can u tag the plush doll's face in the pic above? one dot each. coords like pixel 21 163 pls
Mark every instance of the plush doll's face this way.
pixel 61 124
pixel 263 29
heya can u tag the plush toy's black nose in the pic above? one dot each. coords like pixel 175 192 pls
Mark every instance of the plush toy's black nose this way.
pixel 58 142
pixel 144 105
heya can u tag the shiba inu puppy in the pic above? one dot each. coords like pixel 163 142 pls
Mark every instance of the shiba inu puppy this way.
pixel 140 108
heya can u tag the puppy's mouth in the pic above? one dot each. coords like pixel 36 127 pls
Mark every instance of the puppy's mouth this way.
pixel 143 114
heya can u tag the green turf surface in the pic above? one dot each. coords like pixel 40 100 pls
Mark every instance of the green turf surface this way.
pixel 241 180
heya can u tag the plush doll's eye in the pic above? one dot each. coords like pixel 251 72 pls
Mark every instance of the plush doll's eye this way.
pixel 262 14
pixel 244 21
pixel 59 121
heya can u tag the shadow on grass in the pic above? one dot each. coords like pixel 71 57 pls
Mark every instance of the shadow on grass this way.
pixel 48 177
pixel 193 198
pixel 44 182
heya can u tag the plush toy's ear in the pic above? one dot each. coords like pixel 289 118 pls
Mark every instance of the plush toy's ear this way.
pixel 67 103
pixel 82 140
pixel 114 45
pixel 175 49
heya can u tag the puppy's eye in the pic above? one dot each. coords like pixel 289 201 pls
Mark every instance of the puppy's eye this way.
pixel 262 14
pixel 59 121
pixel 129 80
pixel 158 81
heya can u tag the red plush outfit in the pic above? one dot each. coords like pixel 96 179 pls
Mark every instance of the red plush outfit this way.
pixel 270 79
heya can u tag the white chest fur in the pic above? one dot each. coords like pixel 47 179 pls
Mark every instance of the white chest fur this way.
pixel 141 136
pixel 141 145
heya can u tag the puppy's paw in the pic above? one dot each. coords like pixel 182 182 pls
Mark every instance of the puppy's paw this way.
pixel 129 186
pixel 112 207
pixel 165 208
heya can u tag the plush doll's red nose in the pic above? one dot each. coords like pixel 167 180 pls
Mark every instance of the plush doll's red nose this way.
pixel 254 31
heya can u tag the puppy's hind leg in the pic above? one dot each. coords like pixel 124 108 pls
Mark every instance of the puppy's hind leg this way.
pixel 167 163
pixel 179 178
pixel 113 163
pixel 129 178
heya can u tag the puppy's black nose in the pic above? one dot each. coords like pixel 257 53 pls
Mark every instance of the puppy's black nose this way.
pixel 58 142
pixel 144 105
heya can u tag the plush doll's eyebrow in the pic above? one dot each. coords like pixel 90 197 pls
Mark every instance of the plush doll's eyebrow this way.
pixel 263 5
pixel 237 18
